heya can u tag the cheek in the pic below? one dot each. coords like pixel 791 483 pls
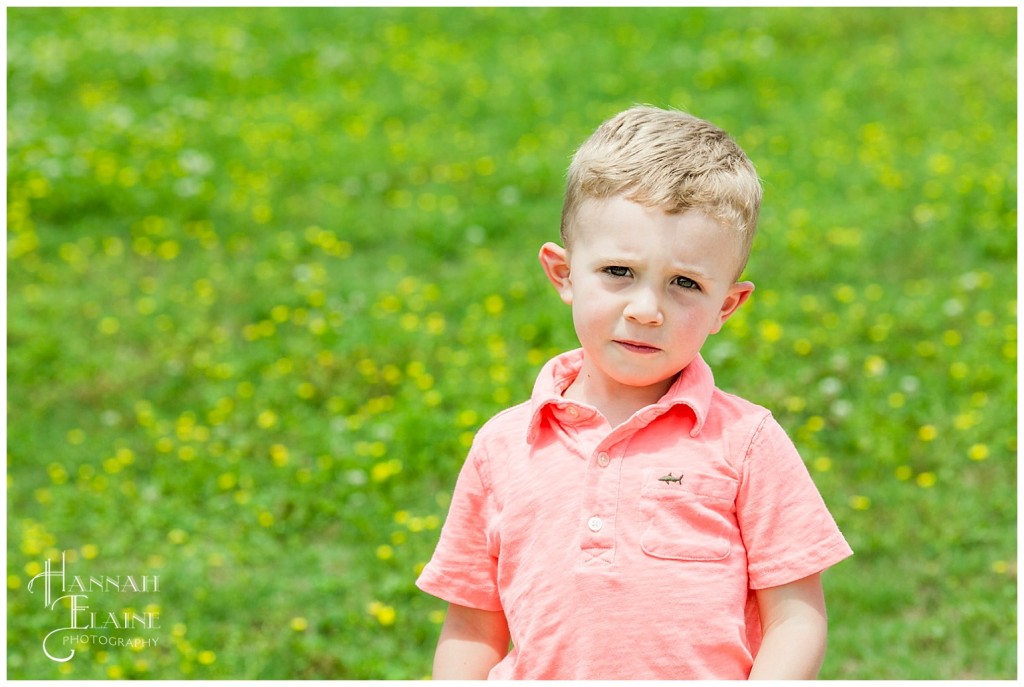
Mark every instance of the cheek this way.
pixel 694 320
pixel 588 315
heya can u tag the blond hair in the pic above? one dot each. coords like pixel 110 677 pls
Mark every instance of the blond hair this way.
pixel 670 160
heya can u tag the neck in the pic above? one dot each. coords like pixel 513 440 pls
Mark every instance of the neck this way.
pixel 617 402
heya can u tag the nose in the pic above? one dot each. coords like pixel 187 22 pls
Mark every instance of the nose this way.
pixel 644 307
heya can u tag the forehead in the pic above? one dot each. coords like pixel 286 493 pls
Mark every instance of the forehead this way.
pixel 620 226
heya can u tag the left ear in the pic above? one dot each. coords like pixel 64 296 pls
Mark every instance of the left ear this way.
pixel 737 296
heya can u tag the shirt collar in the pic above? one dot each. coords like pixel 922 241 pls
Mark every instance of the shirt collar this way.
pixel 693 388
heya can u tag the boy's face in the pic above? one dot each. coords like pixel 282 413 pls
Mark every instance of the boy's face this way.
pixel 646 288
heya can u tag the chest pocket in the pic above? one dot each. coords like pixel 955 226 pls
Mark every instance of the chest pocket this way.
pixel 689 519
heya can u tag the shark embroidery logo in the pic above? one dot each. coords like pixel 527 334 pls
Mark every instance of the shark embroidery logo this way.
pixel 669 478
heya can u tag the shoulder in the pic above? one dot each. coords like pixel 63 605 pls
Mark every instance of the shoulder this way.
pixel 504 428
pixel 744 426
pixel 508 419
pixel 496 443
pixel 731 409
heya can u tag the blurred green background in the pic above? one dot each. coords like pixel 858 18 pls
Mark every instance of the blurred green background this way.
pixel 269 269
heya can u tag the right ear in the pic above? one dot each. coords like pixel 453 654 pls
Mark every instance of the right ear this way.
pixel 555 261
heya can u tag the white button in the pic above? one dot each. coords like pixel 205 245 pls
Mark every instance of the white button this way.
pixel 603 459
pixel 595 524
pixel 572 411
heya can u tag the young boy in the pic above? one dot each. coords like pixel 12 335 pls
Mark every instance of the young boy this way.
pixel 632 521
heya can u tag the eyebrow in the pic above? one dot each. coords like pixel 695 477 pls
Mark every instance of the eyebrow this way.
pixel 691 272
pixel 676 268
pixel 680 268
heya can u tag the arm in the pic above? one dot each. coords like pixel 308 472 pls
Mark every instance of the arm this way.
pixel 795 629
pixel 471 643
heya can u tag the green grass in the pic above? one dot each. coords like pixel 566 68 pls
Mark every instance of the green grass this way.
pixel 269 269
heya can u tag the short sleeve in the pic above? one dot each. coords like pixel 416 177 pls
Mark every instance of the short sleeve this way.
pixel 463 569
pixel 786 527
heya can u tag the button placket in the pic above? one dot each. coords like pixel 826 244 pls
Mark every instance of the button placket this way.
pixel 600 507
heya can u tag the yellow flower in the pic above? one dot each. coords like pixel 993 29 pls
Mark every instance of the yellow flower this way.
pixel 966 420
pixel 858 502
pixel 168 250
pixel 279 313
pixel 770 330
pixel 109 326
pixel 435 323
pixel 875 365
pixel 845 293
pixel 467 418
pixel 815 423
pixel 958 370
pixel 279 454
pixel 386 616
pixel 978 452
pixel 385 469
pixel 494 304
pixel 410 322
pixel 58 475
pixel 299 624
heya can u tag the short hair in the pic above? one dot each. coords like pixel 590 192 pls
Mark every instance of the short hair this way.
pixel 670 160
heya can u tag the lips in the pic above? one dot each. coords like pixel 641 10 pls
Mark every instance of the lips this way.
pixel 637 347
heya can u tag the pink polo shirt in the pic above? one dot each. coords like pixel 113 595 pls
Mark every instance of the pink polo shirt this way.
pixel 630 552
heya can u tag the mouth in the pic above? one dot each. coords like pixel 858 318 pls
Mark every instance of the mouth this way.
pixel 637 347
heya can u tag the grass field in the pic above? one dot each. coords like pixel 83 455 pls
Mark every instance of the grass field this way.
pixel 268 270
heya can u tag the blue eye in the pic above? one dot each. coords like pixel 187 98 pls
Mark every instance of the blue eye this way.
pixel 617 271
